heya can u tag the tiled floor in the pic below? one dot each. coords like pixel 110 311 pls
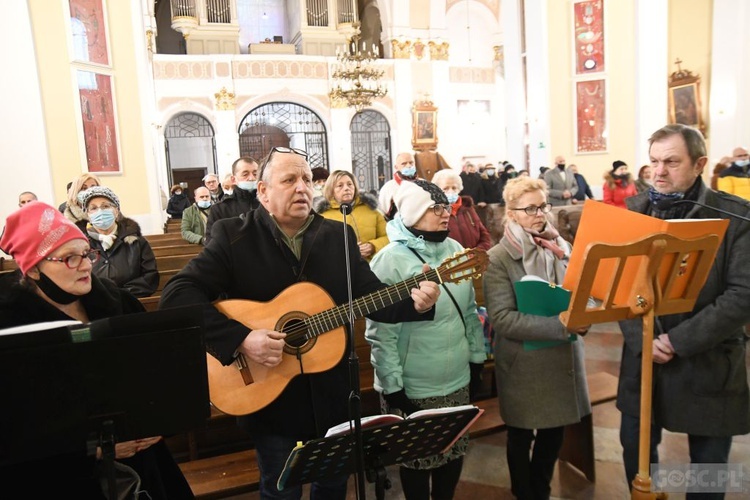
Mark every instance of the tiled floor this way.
pixel 485 473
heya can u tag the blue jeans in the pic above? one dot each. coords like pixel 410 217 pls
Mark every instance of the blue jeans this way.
pixel 703 450
pixel 272 452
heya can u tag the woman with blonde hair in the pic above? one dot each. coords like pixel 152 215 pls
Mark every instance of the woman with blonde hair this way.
pixel 539 363
pixel 73 210
pixel 368 223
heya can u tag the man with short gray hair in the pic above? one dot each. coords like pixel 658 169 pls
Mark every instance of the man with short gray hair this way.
pixel 211 181
pixel 700 380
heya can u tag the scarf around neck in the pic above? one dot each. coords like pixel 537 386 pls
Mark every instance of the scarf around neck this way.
pixel 107 240
pixel 544 254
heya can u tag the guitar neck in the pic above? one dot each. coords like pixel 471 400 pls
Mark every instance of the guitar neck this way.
pixel 335 317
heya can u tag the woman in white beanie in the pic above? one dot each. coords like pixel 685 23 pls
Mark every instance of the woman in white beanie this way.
pixel 427 364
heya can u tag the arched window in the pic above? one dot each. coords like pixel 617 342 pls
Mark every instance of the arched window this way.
pixel 190 149
pixel 284 124
pixel 371 149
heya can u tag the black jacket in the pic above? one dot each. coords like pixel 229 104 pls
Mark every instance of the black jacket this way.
pixel 238 203
pixel 177 203
pixel 472 186
pixel 248 259
pixel 129 262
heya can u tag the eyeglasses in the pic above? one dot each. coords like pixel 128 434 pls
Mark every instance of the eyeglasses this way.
pixel 105 206
pixel 280 149
pixel 438 209
pixel 73 261
pixel 533 209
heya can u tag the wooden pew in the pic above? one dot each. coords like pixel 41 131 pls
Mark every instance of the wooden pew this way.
pixel 177 249
pixel 162 239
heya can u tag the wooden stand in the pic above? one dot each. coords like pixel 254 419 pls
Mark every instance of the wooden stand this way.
pixel 653 293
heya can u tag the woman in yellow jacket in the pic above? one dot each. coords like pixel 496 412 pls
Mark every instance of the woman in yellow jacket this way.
pixel 368 223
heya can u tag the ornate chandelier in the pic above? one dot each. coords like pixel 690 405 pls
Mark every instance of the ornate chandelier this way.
pixel 357 83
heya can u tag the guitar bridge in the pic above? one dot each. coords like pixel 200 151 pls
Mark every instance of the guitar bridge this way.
pixel 244 370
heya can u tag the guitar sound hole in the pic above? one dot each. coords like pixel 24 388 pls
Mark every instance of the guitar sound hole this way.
pixel 297 345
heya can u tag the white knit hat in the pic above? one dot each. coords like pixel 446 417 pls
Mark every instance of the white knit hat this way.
pixel 414 198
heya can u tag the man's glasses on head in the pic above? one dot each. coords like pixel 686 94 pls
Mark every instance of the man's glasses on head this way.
pixel 533 209
pixel 280 149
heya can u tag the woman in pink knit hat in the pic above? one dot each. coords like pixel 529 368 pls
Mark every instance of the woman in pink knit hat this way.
pixel 54 282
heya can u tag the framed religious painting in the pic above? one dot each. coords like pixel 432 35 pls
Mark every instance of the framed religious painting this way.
pixel 588 20
pixel 89 32
pixel 591 116
pixel 99 121
pixel 424 126
pixel 685 102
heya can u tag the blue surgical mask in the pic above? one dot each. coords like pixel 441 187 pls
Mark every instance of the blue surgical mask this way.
pixel 247 185
pixel 452 197
pixel 409 171
pixel 103 219
pixel 742 163
pixel 490 172
pixel 203 204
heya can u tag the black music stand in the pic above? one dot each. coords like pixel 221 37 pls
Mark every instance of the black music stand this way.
pixel 68 389
pixel 383 445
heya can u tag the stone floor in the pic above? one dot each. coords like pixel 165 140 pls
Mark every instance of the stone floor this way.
pixel 485 473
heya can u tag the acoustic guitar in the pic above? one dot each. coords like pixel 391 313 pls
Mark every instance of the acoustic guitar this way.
pixel 244 387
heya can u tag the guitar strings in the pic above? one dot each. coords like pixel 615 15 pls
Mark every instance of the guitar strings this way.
pixel 330 316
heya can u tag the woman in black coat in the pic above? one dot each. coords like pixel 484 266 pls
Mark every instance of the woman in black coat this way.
pixel 126 257
pixel 178 202
pixel 55 283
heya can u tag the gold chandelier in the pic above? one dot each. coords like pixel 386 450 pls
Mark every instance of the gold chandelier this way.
pixel 357 83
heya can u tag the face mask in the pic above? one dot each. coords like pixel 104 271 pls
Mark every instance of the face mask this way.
pixel 247 185
pixel 228 192
pixel 742 163
pixel 490 172
pixel 512 175
pixel 53 291
pixel 203 204
pixel 561 166
pixel 178 193
pixel 452 197
pixel 409 171
pixel 103 219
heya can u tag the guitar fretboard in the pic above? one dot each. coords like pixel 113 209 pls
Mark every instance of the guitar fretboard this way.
pixel 335 317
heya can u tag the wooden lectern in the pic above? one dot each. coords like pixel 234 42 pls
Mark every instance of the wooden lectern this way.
pixel 663 261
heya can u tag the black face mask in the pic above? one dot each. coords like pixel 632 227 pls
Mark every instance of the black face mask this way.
pixel 433 236
pixel 53 291
pixel 561 166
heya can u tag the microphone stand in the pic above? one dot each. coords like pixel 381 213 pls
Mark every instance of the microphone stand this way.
pixel 355 401
pixel 719 210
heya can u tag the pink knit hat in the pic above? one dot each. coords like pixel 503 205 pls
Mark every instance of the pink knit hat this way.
pixel 34 231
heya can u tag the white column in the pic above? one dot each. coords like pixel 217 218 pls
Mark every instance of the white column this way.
pixel 340 148
pixel 515 101
pixel 25 157
pixel 537 83
pixel 729 99
pixel 227 141
pixel 651 72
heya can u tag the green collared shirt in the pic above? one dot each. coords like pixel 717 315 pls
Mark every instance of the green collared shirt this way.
pixel 294 242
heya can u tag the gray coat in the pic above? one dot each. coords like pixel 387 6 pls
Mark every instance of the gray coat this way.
pixel 539 388
pixel 703 390
pixel 556 185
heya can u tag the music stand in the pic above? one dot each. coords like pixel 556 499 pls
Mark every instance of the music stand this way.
pixel 118 379
pixel 653 293
pixel 383 445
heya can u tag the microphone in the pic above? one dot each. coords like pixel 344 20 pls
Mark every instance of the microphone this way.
pixel 345 208
pixel 665 204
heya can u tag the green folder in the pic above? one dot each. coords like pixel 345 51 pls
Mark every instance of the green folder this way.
pixel 539 297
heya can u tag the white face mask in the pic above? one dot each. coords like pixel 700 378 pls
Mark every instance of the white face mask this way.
pixel 228 192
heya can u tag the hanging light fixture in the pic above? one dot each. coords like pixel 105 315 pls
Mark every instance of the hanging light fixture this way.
pixel 357 83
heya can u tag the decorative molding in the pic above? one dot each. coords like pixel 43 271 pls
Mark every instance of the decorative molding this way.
pixel 225 100
pixel 406 48
pixel 471 74
pixel 438 51
pixel 280 69
pixel 183 70
pixel 492 5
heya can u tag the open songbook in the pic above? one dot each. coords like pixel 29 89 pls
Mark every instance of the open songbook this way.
pixel 374 420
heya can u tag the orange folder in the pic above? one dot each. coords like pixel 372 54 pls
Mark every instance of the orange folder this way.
pixel 602 223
